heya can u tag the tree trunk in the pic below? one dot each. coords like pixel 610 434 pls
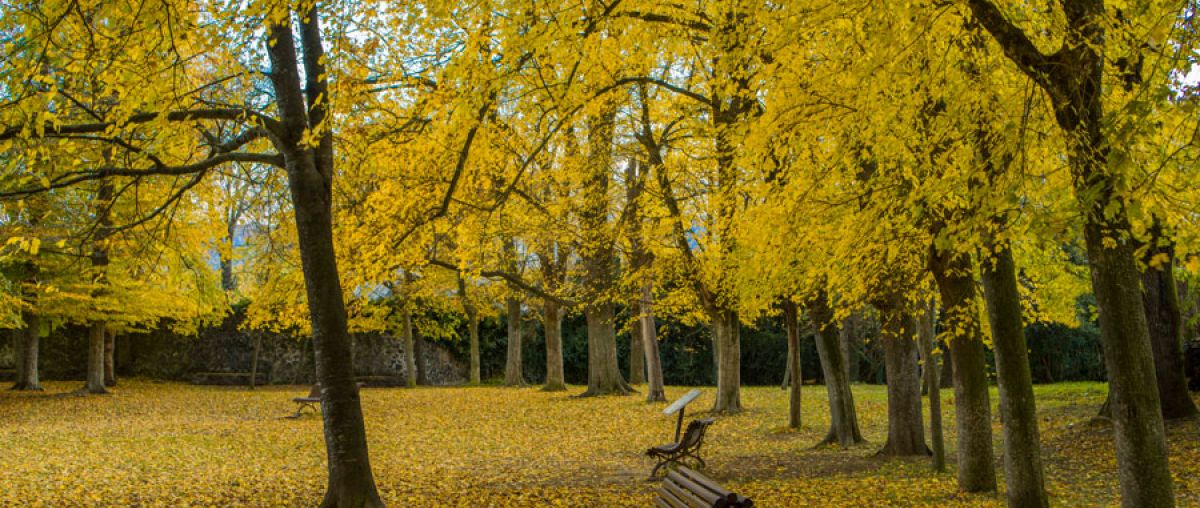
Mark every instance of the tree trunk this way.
pixel 728 350
pixel 110 367
pixel 637 357
pixel 930 371
pixel 791 323
pixel 513 373
pixel 906 433
pixel 419 357
pixel 473 345
pixel 25 342
pixel 310 179
pixel 1018 411
pixel 410 355
pixel 552 322
pixel 1160 298
pixel 843 418
pixel 851 339
pixel 95 359
pixel 972 407
pixel 654 387
pixel 254 360
pixel 946 378
pixel 604 374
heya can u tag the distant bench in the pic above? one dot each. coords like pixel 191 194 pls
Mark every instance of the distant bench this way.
pixel 227 378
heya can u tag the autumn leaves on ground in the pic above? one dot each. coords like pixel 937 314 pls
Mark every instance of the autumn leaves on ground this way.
pixel 164 444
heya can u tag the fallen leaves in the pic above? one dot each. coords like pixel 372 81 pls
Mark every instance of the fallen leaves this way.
pixel 162 444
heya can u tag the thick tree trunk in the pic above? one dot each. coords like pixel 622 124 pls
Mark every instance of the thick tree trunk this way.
pixel 637 357
pixel 25 342
pixel 792 324
pixel 973 416
pixel 410 353
pixel 310 179
pixel 654 387
pixel 930 382
pixel 552 322
pixel 110 367
pixel 1160 298
pixel 95 359
pixel 906 432
pixel 1018 411
pixel 514 374
pixel 843 418
pixel 604 374
pixel 728 349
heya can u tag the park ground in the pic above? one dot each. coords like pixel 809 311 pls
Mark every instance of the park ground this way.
pixel 169 444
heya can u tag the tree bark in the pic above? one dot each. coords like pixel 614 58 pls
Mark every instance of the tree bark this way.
pixel 254 360
pixel 25 342
pixel 953 274
pixel 99 258
pixel 930 371
pixel 95 365
pixel 637 357
pixel 1072 78
pixel 552 322
pixel 1018 411
pixel 654 386
pixel 906 433
pixel 843 418
pixel 410 355
pixel 310 179
pixel 728 349
pixel 1160 298
pixel 604 374
pixel 513 372
pixel 110 367
pixel 791 323
pixel 851 337
pixel 472 331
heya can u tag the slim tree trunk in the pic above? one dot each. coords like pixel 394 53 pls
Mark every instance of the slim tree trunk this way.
pixel 1160 298
pixel 110 367
pixel 96 332
pixel 410 354
pixel 728 349
pixel 637 357
pixel 843 419
pixel 791 323
pixel 310 179
pixel 513 373
pixel 654 387
pixel 946 378
pixel 851 339
pixel 906 433
pixel 25 342
pixel 972 407
pixel 552 322
pixel 1018 411
pixel 254 360
pixel 930 372
pixel 472 332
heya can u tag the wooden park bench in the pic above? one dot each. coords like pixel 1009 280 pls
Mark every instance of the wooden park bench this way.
pixel 686 447
pixel 685 488
pixel 312 401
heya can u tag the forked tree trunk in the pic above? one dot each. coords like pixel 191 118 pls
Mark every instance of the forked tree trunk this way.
pixel 792 324
pixel 25 342
pixel 604 374
pixel 654 386
pixel 728 351
pixel 929 372
pixel 843 418
pixel 513 372
pixel 972 407
pixel 1018 412
pixel 110 367
pixel 637 357
pixel 552 322
pixel 310 179
pixel 906 432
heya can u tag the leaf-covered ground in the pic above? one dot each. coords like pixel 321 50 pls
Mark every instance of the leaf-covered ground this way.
pixel 163 444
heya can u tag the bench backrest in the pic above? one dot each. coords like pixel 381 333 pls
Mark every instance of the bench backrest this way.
pixel 684 487
pixel 315 392
pixel 695 433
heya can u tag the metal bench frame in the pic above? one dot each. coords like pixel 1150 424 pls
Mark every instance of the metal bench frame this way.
pixel 687 447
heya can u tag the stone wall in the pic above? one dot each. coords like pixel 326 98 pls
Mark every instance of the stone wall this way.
pixel 283 358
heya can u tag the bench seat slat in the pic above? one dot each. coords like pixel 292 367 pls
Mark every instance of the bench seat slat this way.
pixel 705 491
pixel 689 498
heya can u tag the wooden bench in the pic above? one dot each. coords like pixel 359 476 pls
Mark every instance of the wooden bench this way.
pixel 687 447
pixel 313 400
pixel 685 488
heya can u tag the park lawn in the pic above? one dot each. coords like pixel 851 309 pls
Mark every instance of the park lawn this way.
pixel 169 444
